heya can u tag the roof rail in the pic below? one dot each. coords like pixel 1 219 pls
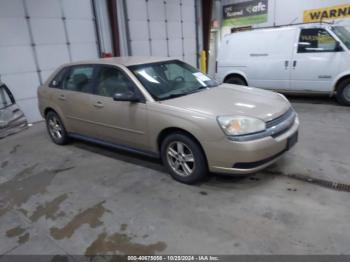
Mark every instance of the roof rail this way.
pixel 286 25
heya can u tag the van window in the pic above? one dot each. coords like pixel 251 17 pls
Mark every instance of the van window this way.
pixel 316 40
pixel 111 81
pixel 5 99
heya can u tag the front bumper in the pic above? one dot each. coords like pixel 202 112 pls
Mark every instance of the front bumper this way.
pixel 233 157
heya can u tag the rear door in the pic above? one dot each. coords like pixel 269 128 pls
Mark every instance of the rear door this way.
pixel 316 61
pixel 74 98
pixel 270 55
pixel 119 122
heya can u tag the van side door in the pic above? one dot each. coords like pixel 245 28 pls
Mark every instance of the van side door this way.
pixel 270 54
pixel 316 61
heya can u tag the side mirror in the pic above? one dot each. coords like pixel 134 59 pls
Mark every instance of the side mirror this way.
pixel 338 47
pixel 127 96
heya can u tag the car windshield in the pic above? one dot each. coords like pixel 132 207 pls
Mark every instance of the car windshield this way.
pixel 170 79
pixel 343 32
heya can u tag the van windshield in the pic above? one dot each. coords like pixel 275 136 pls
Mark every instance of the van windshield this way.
pixel 171 79
pixel 343 32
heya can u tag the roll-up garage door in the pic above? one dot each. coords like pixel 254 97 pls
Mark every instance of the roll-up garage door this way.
pixel 36 36
pixel 162 28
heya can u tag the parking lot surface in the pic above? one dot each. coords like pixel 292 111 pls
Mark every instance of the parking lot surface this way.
pixel 86 199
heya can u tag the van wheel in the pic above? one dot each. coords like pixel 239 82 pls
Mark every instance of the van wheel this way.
pixel 236 80
pixel 184 158
pixel 343 92
pixel 56 128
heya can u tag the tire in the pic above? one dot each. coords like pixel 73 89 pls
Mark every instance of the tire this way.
pixel 343 92
pixel 236 80
pixel 191 171
pixel 56 128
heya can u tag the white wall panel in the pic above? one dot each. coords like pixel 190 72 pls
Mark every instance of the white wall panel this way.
pixel 80 31
pixel 30 108
pixel 44 8
pixel 138 30
pixel 14 31
pixel 48 31
pixel 173 11
pixel 23 85
pixel 174 30
pixel 82 51
pixel 136 10
pixel 159 48
pixel 175 47
pixel 156 10
pixel 159 24
pixel 52 56
pixel 157 30
pixel 21 64
pixel 16 59
pixel 140 48
pixel 189 30
pixel 77 9
pixel 12 8
pixel 46 73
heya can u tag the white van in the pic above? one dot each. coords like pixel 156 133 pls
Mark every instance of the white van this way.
pixel 305 58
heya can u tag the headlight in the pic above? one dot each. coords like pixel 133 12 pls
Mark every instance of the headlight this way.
pixel 240 125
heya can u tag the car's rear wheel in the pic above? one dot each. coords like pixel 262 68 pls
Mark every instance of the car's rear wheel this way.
pixel 184 158
pixel 56 128
pixel 236 80
pixel 343 92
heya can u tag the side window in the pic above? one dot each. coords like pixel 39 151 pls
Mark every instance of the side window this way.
pixel 79 79
pixel 316 40
pixel 111 81
pixel 58 79
pixel 5 99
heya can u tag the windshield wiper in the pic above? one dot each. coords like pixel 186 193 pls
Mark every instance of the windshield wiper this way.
pixel 173 96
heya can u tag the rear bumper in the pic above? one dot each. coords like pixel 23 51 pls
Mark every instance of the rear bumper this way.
pixel 231 157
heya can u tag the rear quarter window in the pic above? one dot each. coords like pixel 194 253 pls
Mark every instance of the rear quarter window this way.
pixel 57 81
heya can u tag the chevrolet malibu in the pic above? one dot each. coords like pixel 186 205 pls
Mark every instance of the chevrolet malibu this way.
pixel 165 108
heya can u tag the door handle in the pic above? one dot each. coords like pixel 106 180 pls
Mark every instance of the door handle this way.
pixel 62 97
pixel 294 63
pixel 98 104
pixel 286 64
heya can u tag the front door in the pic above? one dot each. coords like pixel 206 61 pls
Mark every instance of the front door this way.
pixel 315 62
pixel 119 122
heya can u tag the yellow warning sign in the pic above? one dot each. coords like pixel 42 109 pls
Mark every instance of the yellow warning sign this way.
pixel 327 13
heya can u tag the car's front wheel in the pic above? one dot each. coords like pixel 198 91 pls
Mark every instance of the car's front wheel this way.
pixel 343 92
pixel 56 128
pixel 184 158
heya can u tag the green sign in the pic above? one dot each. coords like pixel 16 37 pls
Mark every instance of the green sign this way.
pixel 245 13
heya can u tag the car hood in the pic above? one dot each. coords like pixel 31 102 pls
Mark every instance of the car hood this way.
pixel 228 99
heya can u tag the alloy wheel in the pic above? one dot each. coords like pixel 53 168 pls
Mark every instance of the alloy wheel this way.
pixel 180 158
pixel 55 128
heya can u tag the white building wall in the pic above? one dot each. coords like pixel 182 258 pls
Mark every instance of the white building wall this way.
pixel 36 36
